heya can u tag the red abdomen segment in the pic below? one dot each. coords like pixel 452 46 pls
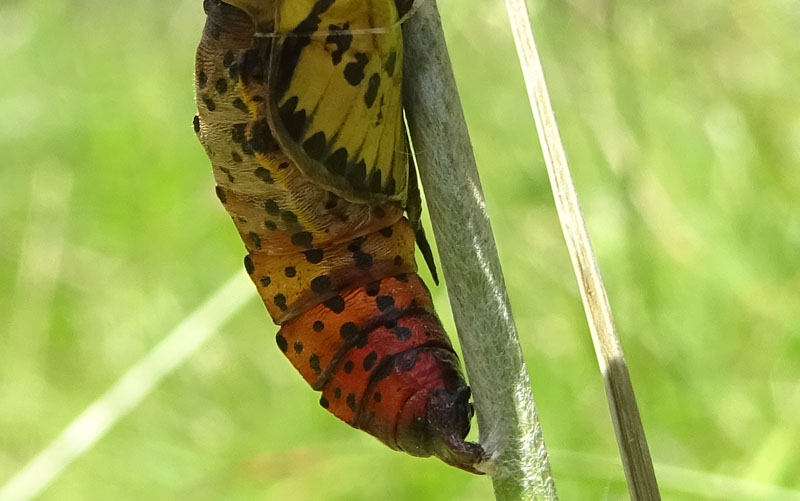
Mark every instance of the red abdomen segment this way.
pixel 384 365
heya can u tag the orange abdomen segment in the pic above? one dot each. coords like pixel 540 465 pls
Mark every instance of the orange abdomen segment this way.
pixel 327 332
pixel 292 283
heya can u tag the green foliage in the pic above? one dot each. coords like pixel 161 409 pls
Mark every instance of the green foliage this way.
pixel 682 124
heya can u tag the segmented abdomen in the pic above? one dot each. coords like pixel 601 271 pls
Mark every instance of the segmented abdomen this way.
pixel 339 277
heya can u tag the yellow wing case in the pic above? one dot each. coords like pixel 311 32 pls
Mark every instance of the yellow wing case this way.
pixel 335 83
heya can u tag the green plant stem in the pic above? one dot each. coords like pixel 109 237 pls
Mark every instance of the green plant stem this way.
pixel 509 428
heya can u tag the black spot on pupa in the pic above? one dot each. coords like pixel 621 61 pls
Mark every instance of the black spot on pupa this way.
pixel 315 145
pixel 379 212
pixel 324 402
pixel 375 181
pixel 337 162
pixel 356 243
pixel 402 333
pixel 246 148
pixel 357 174
pixel 209 103
pixel 289 216
pixel 236 157
pixel 227 172
pixel 354 71
pixel 290 271
pixel 335 304
pixel 348 367
pixel 337 392
pixel 222 86
pixel 202 80
pixel 318 326
pixel 382 372
pixel 271 206
pixel 265 281
pixel 270 225
pixel 298 347
pixel 398 261
pixel 384 302
pixel 282 343
pixel 294 121
pixel 321 284
pixel 262 140
pixel 369 361
pixel 390 64
pixel 373 288
pixel 313 362
pixel 363 260
pixel 250 65
pixel 255 239
pixel 238 132
pixel 377 397
pixel 248 265
pixel 403 277
pixel 196 123
pixel 372 90
pixel 264 175
pixel 351 401
pixel 221 194
pixel 342 41
pixel 314 256
pixel 387 232
pixel 349 332
pixel 379 118
pixel 302 239
pixel 239 105
pixel 280 302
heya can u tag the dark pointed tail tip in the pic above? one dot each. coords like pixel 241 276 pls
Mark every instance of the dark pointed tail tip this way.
pixel 467 456
pixel 449 415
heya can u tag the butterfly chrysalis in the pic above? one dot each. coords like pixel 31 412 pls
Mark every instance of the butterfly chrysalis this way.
pixel 300 112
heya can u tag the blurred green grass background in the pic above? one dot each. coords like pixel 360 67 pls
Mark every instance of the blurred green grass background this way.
pixel 682 124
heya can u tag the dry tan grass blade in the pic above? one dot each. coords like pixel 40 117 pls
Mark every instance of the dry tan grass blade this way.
pixel 619 390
